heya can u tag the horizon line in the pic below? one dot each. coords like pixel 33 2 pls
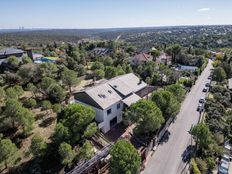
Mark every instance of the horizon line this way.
pixel 119 27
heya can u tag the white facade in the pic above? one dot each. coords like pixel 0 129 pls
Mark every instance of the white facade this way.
pixel 109 98
pixel 104 117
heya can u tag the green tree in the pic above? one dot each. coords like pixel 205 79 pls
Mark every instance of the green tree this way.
pixel 46 104
pixel 174 50
pixel 61 133
pixel 26 119
pixel 13 61
pixel 56 93
pixel 111 72
pixel 76 118
pixel 31 87
pixel 11 108
pixel 14 92
pixel 219 74
pixel 177 91
pixel 125 159
pixel 56 108
pixel 202 135
pixel 26 60
pixel 48 69
pixel 86 151
pixel 29 73
pixel 66 153
pixel 69 78
pixel 90 130
pixel 99 74
pixel 38 146
pixel 97 65
pixel 8 152
pixel 108 61
pixel 167 103
pixel 46 83
pixel 146 115
pixel 155 53
pixel 30 103
pixel 2 95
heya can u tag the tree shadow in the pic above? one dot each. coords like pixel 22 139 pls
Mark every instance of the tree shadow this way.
pixel 47 122
pixel 165 137
pixel 187 154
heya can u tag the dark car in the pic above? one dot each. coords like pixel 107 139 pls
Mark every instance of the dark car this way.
pixel 205 89
pixel 207 84
pixel 200 107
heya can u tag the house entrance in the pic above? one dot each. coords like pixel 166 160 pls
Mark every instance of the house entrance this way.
pixel 113 122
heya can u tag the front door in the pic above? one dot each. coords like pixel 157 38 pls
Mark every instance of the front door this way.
pixel 113 122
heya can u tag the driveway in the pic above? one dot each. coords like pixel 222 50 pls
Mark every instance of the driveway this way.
pixel 170 156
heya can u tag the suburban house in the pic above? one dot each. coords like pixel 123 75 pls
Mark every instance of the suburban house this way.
pixel 140 59
pixel 5 53
pixel 164 58
pixel 99 51
pixel 110 98
pixel 187 68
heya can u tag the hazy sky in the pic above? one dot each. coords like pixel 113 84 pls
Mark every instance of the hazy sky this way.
pixel 112 13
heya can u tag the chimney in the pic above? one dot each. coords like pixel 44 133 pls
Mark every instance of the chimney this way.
pixel 29 53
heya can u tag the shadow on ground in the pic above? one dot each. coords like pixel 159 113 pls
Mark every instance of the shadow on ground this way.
pixel 187 154
pixel 165 137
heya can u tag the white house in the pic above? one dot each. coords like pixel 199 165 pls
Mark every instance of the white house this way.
pixel 109 99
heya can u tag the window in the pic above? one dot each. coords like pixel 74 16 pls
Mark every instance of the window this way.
pixel 108 111
pixel 118 106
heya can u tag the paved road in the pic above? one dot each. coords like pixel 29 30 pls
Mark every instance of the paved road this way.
pixel 167 158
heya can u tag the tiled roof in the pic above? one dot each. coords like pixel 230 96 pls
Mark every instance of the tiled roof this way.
pixel 112 91
pixel 133 98
pixel 142 57
pixel 10 51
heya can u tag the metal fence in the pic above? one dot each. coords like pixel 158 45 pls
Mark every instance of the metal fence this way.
pixel 83 167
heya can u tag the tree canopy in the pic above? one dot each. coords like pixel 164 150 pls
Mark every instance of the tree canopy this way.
pixel 66 153
pixel 125 158
pixel 167 103
pixel 146 115
pixel 8 152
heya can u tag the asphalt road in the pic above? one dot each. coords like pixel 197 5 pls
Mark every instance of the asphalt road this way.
pixel 168 157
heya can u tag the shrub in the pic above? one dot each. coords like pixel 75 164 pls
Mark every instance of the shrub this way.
pixel 30 103
pixel 195 168
pixel 46 105
pixel 56 108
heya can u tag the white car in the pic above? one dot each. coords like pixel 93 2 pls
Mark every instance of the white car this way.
pixel 202 100
pixel 224 167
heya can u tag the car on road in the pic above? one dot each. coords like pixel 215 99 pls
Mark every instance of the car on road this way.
pixel 207 85
pixel 202 100
pixel 200 107
pixel 205 89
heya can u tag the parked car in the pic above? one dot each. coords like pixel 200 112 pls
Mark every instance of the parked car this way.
pixel 202 100
pixel 210 78
pixel 223 168
pixel 226 158
pixel 207 84
pixel 200 107
pixel 205 89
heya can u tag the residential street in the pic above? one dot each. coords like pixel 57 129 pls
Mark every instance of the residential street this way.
pixel 167 159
